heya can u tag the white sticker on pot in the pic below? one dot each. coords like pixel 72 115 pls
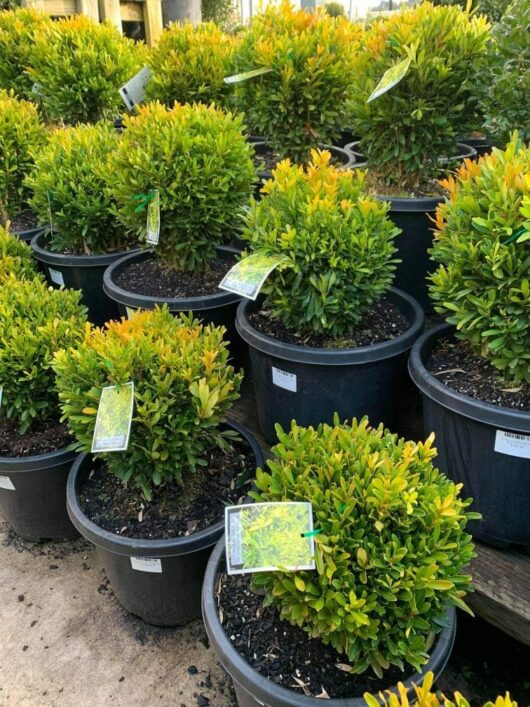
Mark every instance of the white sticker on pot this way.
pixel 56 277
pixel 114 418
pixel 147 564
pixel 6 483
pixel 133 91
pixel 284 379
pixel 513 444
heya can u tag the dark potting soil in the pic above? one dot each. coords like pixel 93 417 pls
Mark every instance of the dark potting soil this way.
pixel 150 278
pixel 24 221
pixel 41 438
pixel 266 160
pixel 285 653
pixel 174 511
pixel 383 322
pixel 457 367
pixel 426 187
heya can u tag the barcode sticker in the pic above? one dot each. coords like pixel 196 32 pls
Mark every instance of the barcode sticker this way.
pixel 147 564
pixel 283 379
pixel 56 277
pixel 513 444
pixel 6 483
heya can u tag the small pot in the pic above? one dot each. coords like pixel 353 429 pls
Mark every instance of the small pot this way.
pixel 158 580
pixel 483 446
pixel 79 272
pixel 33 495
pixel 254 690
pixel 310 384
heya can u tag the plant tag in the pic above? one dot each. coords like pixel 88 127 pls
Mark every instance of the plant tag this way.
pixel 6 483
pixel 147 564
pixel 1 395
pixel 130 311
pixel 56 277
pixel 283 379
pixel 133 91
pixel 246 277
pixel 266 537
pixel 153 219
pixel 50 219
pixel 391 78
pixel 114 418
pixel 237 78
pixel 513 444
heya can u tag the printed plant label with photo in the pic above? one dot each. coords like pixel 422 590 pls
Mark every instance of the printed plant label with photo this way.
pixel 246 277
pixel 133 92
pixel 237 78
pixel 114 418
pixel 391 78
pixel 266 537
pixel 153 220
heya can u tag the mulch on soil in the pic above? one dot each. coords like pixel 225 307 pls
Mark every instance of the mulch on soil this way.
pixel 41 438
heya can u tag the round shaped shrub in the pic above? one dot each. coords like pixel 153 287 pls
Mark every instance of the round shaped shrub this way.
pixel 335 9
pixel 79 66
pixel 482 245
pixel 391 549
pixel 337 244
pixel 183 388
pixel 71 179
pixel 35 321
pixel 189 64
pixel 200 162
pixel 15 258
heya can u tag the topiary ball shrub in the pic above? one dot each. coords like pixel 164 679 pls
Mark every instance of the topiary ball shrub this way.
pixel 482 247
pixel 198 159
pixel 183 388
pixel 79 66
pixel 189 64
pixel 15 258
pixel 336 241
pixel 392 549
pixel 335 9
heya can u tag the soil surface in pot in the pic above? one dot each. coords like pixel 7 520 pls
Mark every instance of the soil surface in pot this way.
pixel 268 158
pixel 286 654
pixel 173 512
pixel 384 321
pixel 42 438
pixel 456 366
pixel 24 221
pixel 150 278
pixel 425 188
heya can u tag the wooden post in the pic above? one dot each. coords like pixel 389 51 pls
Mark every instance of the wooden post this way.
pixel 153 21
pixel 110 10
pixel 89 8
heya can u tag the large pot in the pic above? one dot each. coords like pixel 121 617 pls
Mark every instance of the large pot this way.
pixel 29 234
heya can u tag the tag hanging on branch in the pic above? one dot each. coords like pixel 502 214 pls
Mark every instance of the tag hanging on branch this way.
pixel 237 78
pixel 114 418
pixel 246 277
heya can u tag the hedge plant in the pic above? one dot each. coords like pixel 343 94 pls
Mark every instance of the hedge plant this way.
pixel 198 159
pixel 183 389
pixel 337 244
pixel 79 66
pixel 482 247
pixel 392 547
pixel 35 321
pixel 493 9
pixel 15 258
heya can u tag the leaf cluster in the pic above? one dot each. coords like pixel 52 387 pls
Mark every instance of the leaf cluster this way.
pixel 15 258
pixel 392 548
pixel 493 9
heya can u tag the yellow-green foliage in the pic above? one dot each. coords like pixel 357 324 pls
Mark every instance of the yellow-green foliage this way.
pixel 189 64
pixel 183 389
pixel 35 321
pixel 15 258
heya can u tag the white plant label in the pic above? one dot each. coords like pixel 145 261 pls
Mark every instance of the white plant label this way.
pixel 283 379
pixel 147 564
pixel 247 276
pixel 153 220
pixel 237 78
pixel 391 78
pixel 56 277
pixel 130 311
pixel 6 483
pixel 1 395
pixel 114 418
pixel 513 444
pixel 133 92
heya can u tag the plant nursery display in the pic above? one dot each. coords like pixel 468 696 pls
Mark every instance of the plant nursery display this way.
pixel 331 334
pixel 154 509
pixel 391 549
pixel 474 372
pixel 35 320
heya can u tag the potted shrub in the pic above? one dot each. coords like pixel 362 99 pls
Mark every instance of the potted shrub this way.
pixel 331 334
pixel 35 320
pixel 71 189
pixel 21 137
pixel 15 258
pixel 197 159
pixel 154 511
pixel 474 371
pixel 410 132
pixel 390 553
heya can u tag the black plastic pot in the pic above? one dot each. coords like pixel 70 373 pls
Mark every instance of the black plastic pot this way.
pixel 346 137
pixel 481 145
pixel 255 690
pixel 28 235
pixel 219 308
pixel 33 495
pixel 167 591
pixel 355 148
pixel 310 384
pixel 468 433
pixel 80 272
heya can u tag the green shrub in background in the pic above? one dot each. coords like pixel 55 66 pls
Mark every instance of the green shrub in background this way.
pixel 71 180
pixel 337 242
pixel 21 138
pixel 198 159
pixel 223 12
pixel 335 9
pixel 183 389
pixel 189 64
pixel 35 321
pixel 79 66
pixel 15 258
pixel 392 548
pixel 493 9
pixel 482 246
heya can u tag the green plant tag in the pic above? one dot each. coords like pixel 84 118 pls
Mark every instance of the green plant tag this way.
pixel 133 92
pixel 266 537
pixel 153 220
pixel 114 418
pixel 246 277
pixel 237 78
pixel 391 78
pixel 48 195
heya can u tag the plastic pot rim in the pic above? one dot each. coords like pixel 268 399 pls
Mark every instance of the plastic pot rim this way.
pixel 61 260
pixel 36 462
pixel 348 158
